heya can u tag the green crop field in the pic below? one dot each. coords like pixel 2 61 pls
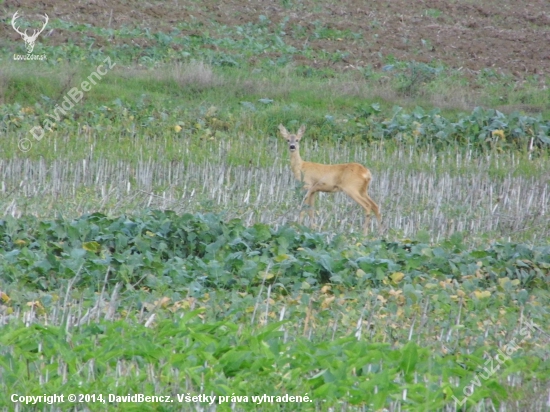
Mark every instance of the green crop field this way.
pixel 150 252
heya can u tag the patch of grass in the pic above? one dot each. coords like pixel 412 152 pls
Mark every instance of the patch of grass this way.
pixel 434 13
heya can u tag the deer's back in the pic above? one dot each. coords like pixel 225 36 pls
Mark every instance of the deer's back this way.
pixel 334 176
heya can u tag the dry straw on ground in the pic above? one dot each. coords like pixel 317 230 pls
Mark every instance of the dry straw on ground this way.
pixel 463 196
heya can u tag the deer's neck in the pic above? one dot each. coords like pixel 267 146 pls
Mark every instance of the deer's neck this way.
pixel 296 164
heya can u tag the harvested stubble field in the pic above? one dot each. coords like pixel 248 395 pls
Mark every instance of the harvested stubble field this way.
pixel 434 200
pixel 149 244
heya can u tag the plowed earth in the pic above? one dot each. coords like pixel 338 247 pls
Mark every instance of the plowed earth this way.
pixel 508 36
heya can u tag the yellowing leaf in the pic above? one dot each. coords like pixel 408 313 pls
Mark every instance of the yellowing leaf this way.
pixel 37 305
pixel 503 281
pixel 267 275
pixel 326 289
pixel 280 258
pixel 480 295
pixel 20 242
pixel 381 298
pixel 187 303
pixel 93 246
pixel 177 128
pixel 397 277
pixel 444 284
pixel 163 302
pixel 326 303
pixel 4 297
pixel 149 233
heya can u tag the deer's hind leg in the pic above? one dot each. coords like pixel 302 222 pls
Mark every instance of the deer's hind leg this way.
pixel 365 205
pixel 364 200
pixel 373 205
pixel 375 209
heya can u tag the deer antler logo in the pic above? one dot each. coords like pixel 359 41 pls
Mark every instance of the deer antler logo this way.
pixel 29 40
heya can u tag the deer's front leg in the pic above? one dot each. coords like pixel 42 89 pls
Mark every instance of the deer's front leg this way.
pixel 309 201
pixel 311 204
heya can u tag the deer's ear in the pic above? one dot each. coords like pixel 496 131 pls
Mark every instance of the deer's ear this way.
pixel 283 131
pixel 300 132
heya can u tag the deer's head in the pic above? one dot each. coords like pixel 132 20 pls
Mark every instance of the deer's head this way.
pixel 292 139
pixel 29 40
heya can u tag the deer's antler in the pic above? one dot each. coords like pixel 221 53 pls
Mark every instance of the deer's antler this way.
pixel 14 18
pixel 35 32
pixel 46 19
